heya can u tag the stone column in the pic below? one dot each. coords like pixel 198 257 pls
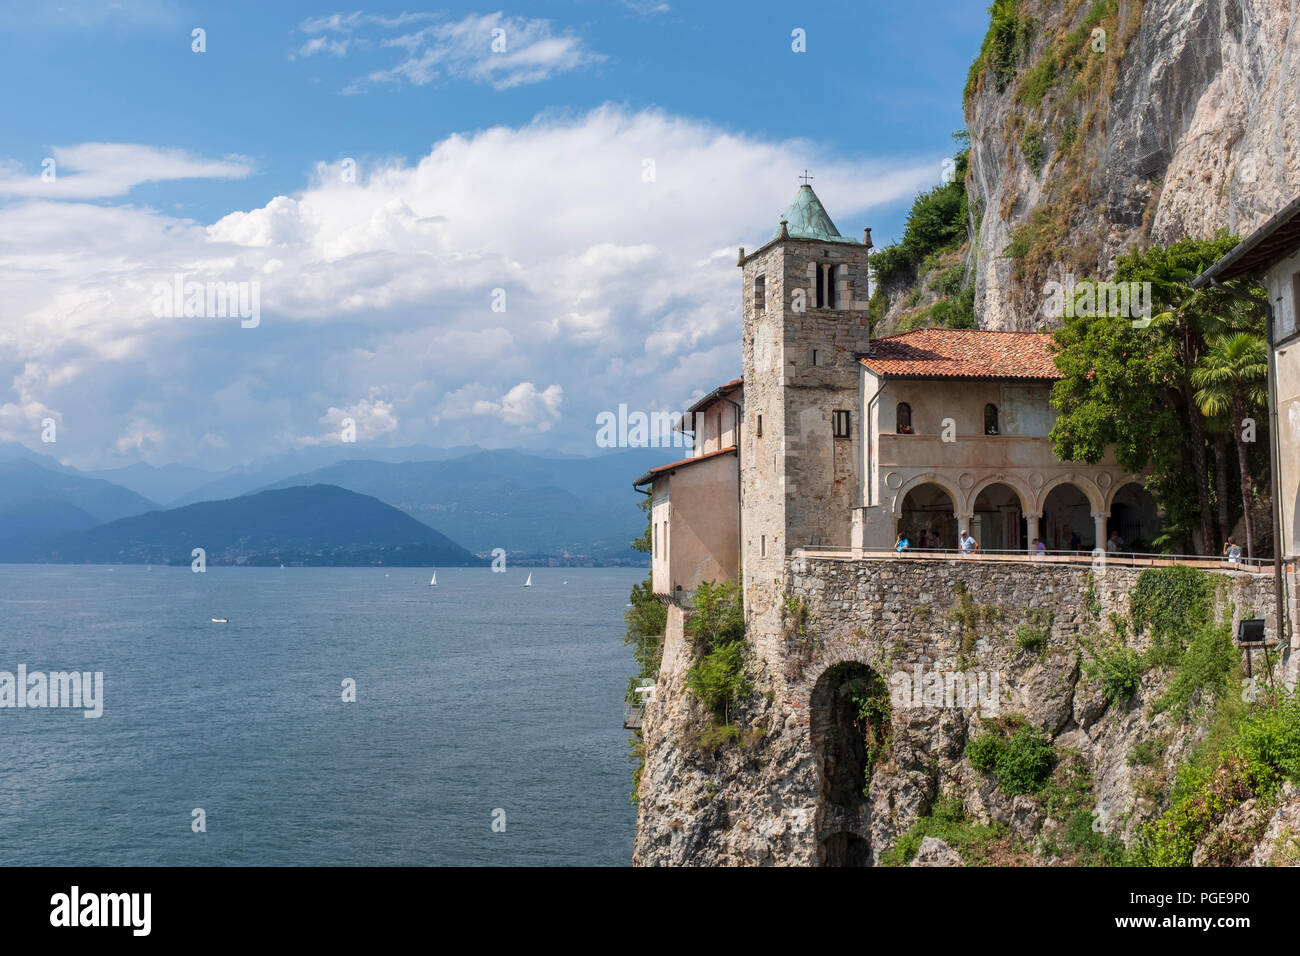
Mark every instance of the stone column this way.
pixel 1031 523
pixel 1099 518
pixel 826 285
pixel 963 524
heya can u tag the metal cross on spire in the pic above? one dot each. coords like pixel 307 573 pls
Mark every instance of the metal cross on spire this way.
pixel 805 177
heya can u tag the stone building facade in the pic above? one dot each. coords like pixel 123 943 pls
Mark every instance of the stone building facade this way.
pixel 791 494
pixel 956 439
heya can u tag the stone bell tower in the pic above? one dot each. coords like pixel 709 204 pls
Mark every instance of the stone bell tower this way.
pixel 805 326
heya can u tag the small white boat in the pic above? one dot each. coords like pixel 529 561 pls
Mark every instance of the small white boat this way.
pixel 221 620
pixel 529 582
pixel 433 581
pixel 150 568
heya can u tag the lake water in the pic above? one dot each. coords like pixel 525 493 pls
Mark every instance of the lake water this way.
pixel 475 696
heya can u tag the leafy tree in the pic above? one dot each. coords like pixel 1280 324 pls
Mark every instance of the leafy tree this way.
pixel 647 620
pixel 717 627
pixel 937 222
pixel 1232 378
pixel 1131 386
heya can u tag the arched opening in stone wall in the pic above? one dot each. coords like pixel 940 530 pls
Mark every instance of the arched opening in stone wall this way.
pixel 998 523
pixel 1067 518
pixel 851 727
pixel 1134 515
pixel 928 508
pixel 844 849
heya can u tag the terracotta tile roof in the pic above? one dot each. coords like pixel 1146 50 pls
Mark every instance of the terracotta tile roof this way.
pixel 719 392
pixel 656 472
pixel 964 353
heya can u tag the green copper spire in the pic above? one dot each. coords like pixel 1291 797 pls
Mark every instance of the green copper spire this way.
pixel 806 218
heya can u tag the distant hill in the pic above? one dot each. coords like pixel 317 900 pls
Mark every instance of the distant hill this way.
pixel 534 507
pixel 24 482
pixel 266 472
pixel 25 527
pixel 163 483
pixel 319 525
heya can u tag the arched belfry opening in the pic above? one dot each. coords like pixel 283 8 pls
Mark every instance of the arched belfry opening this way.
pixel 851 725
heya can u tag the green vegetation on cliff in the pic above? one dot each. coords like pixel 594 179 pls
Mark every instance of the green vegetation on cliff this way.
pixel 1132 385
pixel 647 622
pixel 930 254
pixel 1250 751
pixel 717 628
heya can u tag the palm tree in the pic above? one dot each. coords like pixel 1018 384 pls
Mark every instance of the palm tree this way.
pixel 1232 377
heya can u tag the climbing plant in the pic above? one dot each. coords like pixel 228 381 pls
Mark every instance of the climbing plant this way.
pixel 1170 604
pixel 875 719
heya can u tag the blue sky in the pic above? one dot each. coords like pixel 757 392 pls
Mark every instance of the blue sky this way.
pixel 520 169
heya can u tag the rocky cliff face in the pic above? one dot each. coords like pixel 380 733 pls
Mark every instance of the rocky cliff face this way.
pixel 788 792
pixel 1098 126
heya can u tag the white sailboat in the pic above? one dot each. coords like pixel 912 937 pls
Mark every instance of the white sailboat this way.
pixel 433 581
pixel 529 582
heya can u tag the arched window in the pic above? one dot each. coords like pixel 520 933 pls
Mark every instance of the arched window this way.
pixel 904 418
pixel 825 285
pixel 991 419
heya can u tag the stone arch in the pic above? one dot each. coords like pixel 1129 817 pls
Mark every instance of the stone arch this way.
pixel 843 732
pixel 844 848
pixel 849 721
pixel 1013 482
pixel 931 522
pixel 927 479
pixel 1068 522
pixel 1001 525
pixel 1087 488
pixel 1122 483
pixel 1134 515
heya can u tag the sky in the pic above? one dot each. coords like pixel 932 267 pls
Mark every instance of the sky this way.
pixel 456 225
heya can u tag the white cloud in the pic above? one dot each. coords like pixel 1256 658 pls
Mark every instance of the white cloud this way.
pixel 370 417
pixel 487 48
pixel 616 290
pixel 525 406
pixel 98 170
pixel 139 436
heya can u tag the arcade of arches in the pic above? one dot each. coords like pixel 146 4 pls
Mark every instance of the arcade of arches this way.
pixel 1000 520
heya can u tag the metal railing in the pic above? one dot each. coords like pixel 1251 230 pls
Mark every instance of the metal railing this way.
pixel 633 716
pixel 1121 558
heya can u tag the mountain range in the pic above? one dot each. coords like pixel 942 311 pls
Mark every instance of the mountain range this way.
pixel 313 525
pixel 538 508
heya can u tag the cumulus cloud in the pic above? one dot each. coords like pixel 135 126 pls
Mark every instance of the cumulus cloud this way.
pixel 510 282
pixel 98 170
pixel 525 406
pixel 487 48
pixel 369 418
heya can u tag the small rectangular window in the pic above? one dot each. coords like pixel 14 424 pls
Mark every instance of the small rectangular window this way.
pixel 1295 303
pixel 840 418
pixel 814 356
pixel 762 545
pixel 654 545
pixel 760 293
pixel 760 426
